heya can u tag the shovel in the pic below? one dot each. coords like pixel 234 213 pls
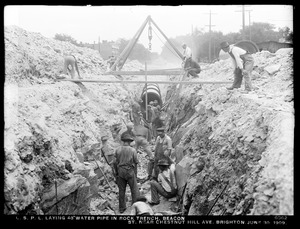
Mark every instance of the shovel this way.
pixel 103 174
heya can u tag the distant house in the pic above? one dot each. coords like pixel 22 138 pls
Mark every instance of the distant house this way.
pixel 273 46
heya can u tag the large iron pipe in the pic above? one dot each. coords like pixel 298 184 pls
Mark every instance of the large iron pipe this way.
pixel 153 93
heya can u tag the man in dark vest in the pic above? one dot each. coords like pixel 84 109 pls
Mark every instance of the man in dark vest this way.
pixel 243 65
pixel 163 148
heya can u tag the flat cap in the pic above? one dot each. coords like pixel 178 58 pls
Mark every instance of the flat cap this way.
pixel 162 162
pixel 224 44
pixel 160 129
pixel 127 138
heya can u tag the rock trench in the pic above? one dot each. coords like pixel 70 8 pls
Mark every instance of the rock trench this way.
pixel 221 138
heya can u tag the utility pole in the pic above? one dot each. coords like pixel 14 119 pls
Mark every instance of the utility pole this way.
pixel 243 20
pixel 249 24
pixel 99 44
pixel 209 47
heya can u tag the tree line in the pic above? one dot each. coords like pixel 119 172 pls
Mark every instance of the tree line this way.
pixel 198 41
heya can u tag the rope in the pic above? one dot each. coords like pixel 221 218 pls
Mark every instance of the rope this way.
pixel 175 54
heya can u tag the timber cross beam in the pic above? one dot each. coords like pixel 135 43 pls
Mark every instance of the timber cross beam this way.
pixel 143 82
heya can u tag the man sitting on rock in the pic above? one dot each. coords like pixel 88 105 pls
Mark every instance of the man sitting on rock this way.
pixel 165 184
pixel 193 68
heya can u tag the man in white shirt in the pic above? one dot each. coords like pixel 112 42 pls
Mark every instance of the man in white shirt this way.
pixel 165 184
pixel 243 64
pixel 187 55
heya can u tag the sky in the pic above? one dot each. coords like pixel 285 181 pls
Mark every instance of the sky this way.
pixel 88 23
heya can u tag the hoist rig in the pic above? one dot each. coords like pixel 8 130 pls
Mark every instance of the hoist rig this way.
pixel 116 67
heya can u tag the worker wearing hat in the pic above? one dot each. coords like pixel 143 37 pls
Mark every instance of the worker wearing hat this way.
pixel 166 182
pixel 243 65
pixel 129 131
pixel 162 150
pixel 187 55
pixel 126 168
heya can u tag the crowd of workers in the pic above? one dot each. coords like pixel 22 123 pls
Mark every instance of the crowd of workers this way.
pixel 161 168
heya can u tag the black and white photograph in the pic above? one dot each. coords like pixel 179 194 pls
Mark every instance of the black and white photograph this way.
pixel 149 114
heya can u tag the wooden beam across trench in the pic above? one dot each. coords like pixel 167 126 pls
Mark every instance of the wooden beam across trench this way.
pixel 143 81
pixel 149 72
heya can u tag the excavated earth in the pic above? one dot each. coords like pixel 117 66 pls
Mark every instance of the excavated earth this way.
pixel 53 130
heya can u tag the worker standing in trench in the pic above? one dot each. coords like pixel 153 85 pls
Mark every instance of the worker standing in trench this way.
pixel 126 171
pixel 129 131
pixel 162 150
pixel 243 65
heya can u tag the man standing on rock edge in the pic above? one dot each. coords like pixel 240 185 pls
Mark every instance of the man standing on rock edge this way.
pixel 126 169
pixel 243 64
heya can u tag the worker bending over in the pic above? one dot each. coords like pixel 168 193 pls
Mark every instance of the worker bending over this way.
pixel 70 61
pixel 243 65
pixel 141 207
pixel 126 169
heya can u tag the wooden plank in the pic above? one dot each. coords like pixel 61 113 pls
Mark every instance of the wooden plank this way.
pixel 142 72
pixel 143 82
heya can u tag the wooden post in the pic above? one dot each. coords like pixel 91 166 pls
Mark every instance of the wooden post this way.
pixel 146 91
pixel 99 44
pixel 124 55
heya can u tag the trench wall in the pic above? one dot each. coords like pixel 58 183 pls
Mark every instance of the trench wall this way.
pixel 247 145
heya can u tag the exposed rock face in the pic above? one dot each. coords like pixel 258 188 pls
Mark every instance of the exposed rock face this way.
pixel 50 127
pixel 53 130
pixel 242 138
